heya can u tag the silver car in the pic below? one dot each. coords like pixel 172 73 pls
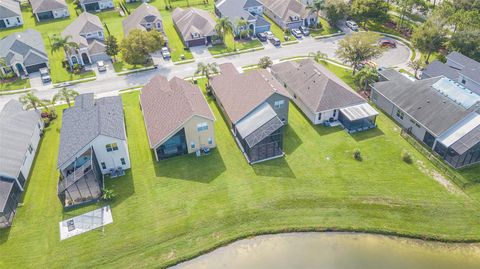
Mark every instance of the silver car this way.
pixel 101 66
pixel 352 25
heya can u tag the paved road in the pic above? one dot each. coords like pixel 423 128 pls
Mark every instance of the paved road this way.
pixel 108 84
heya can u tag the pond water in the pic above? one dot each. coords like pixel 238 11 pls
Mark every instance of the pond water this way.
pixel 337 251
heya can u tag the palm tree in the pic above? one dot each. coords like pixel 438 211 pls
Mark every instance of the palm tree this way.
pixel 242 26
pixel 207 70
pixel 66 95
pixel 3 64
pixel 316 7
pixel 60 42
pixel 30 100
pixel 416 66
pixel 318 56
pixel 365 76
pixel 49 107
pixel 224 27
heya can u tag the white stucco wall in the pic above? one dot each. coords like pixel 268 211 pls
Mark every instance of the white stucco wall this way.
pixel 29 157
pixel 13 21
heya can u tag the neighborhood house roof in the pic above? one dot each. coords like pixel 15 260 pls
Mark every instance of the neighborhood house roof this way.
pixel 242 93
pixel 193 23
pixel 5 189
pixel 39 6
pixel 287 10
pixel 16 130
pixel 358 112
pixel 317 87
pixel 430 106
pixel 23 47
pixel 167 105
pixel 9 8
pixel 464 135
pixel 145 13
pixel 80 27
pixel 437 68
pixel 88 119
pixel 236 8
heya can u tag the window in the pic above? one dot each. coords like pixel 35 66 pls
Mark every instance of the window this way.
pixel 463 81
pixel 103 165
pixel 192 145
pixel 279 104
pixel 111 147
pixel 8 21
pixel 319 116
pixel 202 126
pixel 122 160
pixel 18 19
pixel 400 114
pixel 334 112
pixel 210 141
pixel 30 149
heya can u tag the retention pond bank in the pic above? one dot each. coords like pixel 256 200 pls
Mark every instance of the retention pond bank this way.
pixel 337 251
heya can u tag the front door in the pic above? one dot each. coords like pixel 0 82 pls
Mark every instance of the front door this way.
pixel 85 58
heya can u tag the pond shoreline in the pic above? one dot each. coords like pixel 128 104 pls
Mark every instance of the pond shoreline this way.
pixel 224 243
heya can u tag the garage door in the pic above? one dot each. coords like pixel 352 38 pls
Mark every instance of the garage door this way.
pixel 35 68
pixel 196 42
pixel 92 7
pixel 2 24
pixel 45 15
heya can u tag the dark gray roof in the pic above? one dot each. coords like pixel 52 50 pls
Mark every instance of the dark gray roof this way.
pixel 461 59
pixel 315 85
pixel 88 119
pixel 16 129
pixel 437 68
pixel 420 100
pixel 47 5
pixel 9 8
pixel 469 140
pixel 5 189
pixel 17 46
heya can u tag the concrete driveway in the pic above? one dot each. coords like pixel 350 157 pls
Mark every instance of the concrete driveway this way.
pixel 200 53
pixel 110 72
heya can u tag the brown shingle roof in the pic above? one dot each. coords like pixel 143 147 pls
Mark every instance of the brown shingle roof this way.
pixel 287 9
pixel 241 93
pixel 191 21
pixel 167 105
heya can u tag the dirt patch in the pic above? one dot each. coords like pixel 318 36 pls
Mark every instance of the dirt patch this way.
pixel 438 177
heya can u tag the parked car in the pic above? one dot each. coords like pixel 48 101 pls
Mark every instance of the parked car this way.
pixel 101 66
pixel 296 33
pixel 262 37
pixel 275 41
pixel 352 25
pixel 386 42
pixel 45 75
pixel 304 30
pixel 166 53
pixel 270 35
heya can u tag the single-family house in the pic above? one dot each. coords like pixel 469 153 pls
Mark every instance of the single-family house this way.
pixel 45 10
pixel 249 10
pixel 438 111
pixel 10 14
pixel 96 5
pixel 93 143
pixel 20 133
pixel 323 97
pixel 255 106
pixel 289 14
pixel 177 118
pixel 459 68
pixel 23 52
pixel 145 18
pixel 87 32
pixel 196 27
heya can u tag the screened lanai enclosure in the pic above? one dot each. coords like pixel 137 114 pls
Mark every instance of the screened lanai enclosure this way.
pixel 9 197
pixel 81 182
pixel 358 118
pixel 260 134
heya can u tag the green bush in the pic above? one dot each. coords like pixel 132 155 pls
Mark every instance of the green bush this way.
pixel 357 155
pixel 407 158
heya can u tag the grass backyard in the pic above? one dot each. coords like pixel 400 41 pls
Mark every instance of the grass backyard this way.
pixel 178 208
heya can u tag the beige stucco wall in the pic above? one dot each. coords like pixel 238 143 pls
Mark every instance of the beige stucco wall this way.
pixel 199 138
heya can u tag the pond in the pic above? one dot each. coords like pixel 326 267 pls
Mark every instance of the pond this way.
pixel 337 251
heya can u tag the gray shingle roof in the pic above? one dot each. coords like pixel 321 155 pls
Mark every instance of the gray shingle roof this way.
pixel 468 67
pixel 437 68
pixel 88 119
pixel 235 9
pixel 287 9
pixel 166 105
pixel 17 46
pixel 316 86
pixel 47 5
pixel 86 23
pixel 143 14
pixel 426 105
pixel 9 8
pixel 16 129
pixel 469 140
pixel 192 20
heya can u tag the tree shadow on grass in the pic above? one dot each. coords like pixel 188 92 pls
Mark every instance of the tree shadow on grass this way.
pixel 202 169
pixel 273 168
pixel 4 234
pixel 292 140
pixel 325 130
pixel 368 134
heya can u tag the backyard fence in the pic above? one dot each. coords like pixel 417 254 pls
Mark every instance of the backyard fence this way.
pixel 435 160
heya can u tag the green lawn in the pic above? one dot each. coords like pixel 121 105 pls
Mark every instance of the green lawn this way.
pixel 168 211
pixel 14 85
pixel 326 29
pixel 239 45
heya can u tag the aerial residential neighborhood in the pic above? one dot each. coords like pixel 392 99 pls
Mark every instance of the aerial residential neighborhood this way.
pixel 240 134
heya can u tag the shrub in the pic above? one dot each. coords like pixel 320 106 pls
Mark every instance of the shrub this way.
pixel 357 155
pixel 407 158
pixel 108 194
pixel 46 122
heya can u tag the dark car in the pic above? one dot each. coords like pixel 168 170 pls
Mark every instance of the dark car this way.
pixel 262 37
pixel 275 41
pixel 304 30
pixel 297 33
pixel 389 43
